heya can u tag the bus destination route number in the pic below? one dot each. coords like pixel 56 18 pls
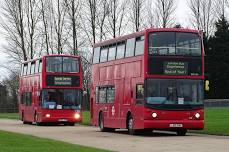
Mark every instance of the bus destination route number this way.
pixel 175 68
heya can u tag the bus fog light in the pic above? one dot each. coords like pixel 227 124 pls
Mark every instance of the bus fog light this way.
pixel 197 115
pixel 154 115
pixel 77 116
pixel 47 115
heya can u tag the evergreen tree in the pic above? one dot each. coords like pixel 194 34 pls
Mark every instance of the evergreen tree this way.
pixel 217 60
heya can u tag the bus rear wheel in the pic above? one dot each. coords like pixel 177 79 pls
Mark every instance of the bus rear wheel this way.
pixel 182 132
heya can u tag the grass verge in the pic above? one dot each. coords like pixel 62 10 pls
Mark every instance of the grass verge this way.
pixel 216 122
pixel 11 142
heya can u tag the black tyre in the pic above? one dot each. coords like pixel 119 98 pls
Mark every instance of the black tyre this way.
pixel 182 132
pixel 101 125
pixel 23 119
pixel 36 120
pixel 71 124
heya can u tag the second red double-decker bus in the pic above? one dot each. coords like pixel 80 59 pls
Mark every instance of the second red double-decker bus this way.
pixel 50 90
pixel 148 80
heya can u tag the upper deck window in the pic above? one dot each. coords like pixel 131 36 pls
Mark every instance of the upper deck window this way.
pixel 25 69
pixel 32 67
pixel 130 45
pixel 61 64
pixel 96 55
pixel 120 50
pixel 37 66
pixel 174 43
pixel 139 48
pixel 103 55
pixel 111 53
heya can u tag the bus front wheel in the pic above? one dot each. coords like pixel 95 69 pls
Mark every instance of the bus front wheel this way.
pixel 130 126
pixel 101 124
pixel 36 120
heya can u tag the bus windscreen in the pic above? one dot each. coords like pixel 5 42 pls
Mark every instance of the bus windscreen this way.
pixel 61 64
pixel 61 99
pixel 175 92
pixel 174 43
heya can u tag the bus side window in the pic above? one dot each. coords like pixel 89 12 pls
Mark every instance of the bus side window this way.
pixel 96 94
pixel 96 55
pixel 103 54
pixel 139 49
pixel 32 67
pixel 102 95
pixel 130 45
pixel 110 94
pixel 139 93
pixel 29 68
pixel 112 52
pixel 37 66
pixel 120 50
pixel 40 66
pixel 22 68
pixel 25 69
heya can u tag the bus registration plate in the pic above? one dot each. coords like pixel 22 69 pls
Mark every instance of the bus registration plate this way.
pixel 62 120
pixel 175 125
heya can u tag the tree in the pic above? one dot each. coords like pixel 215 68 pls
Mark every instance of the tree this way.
pixel 14 27
pixel 164 11
pixel 116 16
pixel 202 15
pixel 73 12
pixel 217 59
pixel 136 13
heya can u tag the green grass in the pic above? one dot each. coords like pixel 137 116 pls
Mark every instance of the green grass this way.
pixel 9 115
pixel 13 142
pixel 216 121
pixel 86 118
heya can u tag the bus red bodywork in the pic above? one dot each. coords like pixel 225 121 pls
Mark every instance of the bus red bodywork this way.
pixel 138 73
pixel 36 84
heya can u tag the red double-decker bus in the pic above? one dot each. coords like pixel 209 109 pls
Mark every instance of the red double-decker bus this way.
pixel 50 90
pixel 148 80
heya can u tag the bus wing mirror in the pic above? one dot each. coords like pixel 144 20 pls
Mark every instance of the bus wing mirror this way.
pixel 206 85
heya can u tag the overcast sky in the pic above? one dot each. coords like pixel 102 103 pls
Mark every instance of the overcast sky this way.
pixel 181 17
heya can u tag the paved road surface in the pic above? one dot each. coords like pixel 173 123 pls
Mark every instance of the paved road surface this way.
pixel 121 141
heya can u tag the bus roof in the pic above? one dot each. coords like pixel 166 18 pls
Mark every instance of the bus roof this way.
pixel 122 38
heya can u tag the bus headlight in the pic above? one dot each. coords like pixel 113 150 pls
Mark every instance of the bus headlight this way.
pixel 77 116
pixel 154 115
pixel 47 115
pixel 197 115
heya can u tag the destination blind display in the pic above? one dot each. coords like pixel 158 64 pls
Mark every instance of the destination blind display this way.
pixel 175 68
pixel 188 66
pixel 72 81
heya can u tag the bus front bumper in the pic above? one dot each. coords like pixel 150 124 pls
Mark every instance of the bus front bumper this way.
pixel 57 118
pixel 174 124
